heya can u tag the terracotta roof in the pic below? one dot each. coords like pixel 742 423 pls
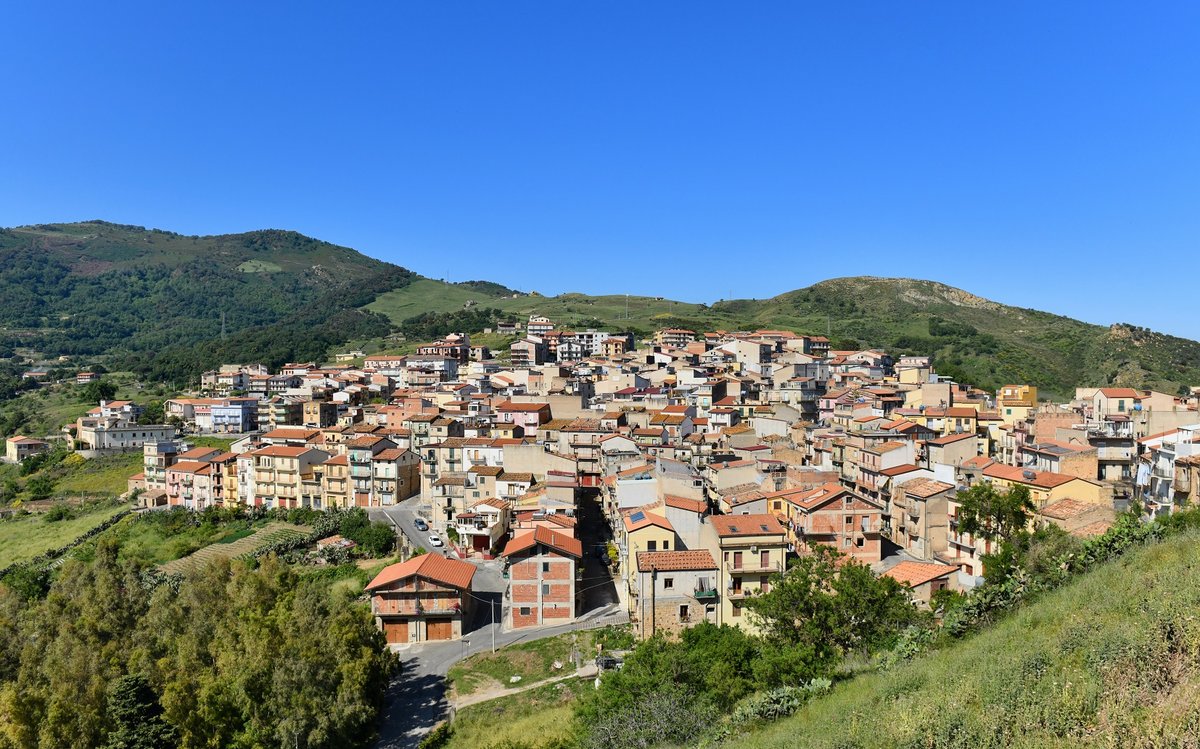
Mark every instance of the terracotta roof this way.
pixel 900 469
pixel 1119 393
pixel 1092 529
pixel 912 574
pixel 546 537
pixel 728 526
pixel 280 451
pixel 925 487
pixel 1065 509
pixel 645 519
pixel 683 503
pixel 450 572
pixel 951 438
pixel 1040 479
pixel 667 561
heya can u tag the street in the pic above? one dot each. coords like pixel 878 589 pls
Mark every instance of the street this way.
pixel 416 700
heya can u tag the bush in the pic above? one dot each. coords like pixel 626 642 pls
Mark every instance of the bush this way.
pixel 59 511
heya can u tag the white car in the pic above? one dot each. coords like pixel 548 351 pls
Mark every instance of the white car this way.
pixel 435 540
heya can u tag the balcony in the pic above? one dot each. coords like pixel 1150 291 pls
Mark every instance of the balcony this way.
pixel 702 594
pixel 752 566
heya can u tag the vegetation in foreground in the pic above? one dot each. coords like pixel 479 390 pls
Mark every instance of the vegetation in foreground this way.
pixel 1109 661
pixel 261 651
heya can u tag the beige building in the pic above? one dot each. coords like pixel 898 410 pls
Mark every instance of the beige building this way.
pixel 748 549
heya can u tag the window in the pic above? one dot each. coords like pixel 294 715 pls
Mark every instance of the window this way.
pixel 667 545
pixel 737 560
pixel 846 542
pixel 545 589
pixel 651 546
pixel 524 611
pixel 858 542
pixel 683 612
pixel 668 583
pixel 545 566
pixel 737 611
pixel 764 559
pixel 849 520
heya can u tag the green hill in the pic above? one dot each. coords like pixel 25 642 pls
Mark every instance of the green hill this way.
pixel 978 340
pixel 156 301
pixel 1111 660
pixel 153 301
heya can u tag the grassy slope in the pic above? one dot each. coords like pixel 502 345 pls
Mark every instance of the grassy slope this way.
pixel 1112 660
pixel 25 538
pixel 645 313
pixel 538 717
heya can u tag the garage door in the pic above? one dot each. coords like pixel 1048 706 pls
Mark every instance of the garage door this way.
pixel 440 629
pixel 396 631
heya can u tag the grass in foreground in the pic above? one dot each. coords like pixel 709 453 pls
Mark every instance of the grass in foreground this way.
pixel 532 661
pixel 543 714
pixel 25 537
pixel 1112 660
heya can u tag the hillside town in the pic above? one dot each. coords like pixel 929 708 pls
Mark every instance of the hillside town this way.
pixel 681 471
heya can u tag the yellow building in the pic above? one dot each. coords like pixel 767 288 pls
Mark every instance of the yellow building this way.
pixel 645 531
pixel 1016 402
pixel 1046 487
pixel 748 550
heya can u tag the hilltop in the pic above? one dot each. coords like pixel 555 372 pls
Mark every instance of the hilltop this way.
pixel 153 302
pixel 1109 660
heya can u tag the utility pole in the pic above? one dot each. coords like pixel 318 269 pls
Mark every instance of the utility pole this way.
pixel 492 614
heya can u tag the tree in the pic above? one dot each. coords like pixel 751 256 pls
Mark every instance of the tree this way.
pixel 136 716
pixel 40 486
pixel 152 413
pixel 98 390
pixel 987 513
pixel 829 604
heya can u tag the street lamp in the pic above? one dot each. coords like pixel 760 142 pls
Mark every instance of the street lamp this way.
pixel 465 644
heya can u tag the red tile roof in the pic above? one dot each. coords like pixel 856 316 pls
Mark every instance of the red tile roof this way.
pixel 912 574
pixel 746 525
pixel 449 572
pixel 667 561
pixel 545 537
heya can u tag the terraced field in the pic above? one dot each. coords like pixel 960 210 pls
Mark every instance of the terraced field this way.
pixel 240 547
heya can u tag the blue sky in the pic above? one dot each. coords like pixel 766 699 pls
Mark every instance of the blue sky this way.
pixel 1041 154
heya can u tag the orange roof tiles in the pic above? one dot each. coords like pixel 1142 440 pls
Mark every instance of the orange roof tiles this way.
pixel 912 574
pixel 449 572
pixel 670 561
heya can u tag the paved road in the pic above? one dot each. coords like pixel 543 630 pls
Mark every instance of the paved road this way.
pixel 416 700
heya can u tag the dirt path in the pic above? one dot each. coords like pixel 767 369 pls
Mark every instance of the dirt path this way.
pixel 498 691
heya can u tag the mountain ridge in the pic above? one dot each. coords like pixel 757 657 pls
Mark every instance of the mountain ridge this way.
pixel 97 288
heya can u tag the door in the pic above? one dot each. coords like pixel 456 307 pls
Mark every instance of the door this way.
pixel 439 629
pixel 396 631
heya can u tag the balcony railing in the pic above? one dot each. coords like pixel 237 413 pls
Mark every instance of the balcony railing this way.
pixel 705 593
pixel 753 565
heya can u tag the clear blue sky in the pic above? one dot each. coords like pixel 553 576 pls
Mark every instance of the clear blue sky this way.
pixel 1041 154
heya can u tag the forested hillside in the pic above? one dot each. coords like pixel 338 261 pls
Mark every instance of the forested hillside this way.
pixel 158 301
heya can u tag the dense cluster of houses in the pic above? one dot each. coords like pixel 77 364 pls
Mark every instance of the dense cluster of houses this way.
pixel 711 457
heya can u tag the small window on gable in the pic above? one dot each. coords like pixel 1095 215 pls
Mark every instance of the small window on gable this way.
pixel 545 566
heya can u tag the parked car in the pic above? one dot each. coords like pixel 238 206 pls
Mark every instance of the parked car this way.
pixel 606 662
pixel 435 540
pixel 421 524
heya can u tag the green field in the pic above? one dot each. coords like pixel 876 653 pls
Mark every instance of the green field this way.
pixel 259 266
pixel 46 410
pixel 25 537
pixel 105 475
pixel 1112 660
pixel 542 716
